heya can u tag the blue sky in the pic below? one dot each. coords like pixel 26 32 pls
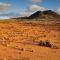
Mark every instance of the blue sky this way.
pixel 13 8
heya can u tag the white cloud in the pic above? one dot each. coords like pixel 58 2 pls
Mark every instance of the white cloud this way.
pixel 34 8
pixel 25 14
pixel 58 11
pixel 31 9
pixel 4 6
pixel 4 17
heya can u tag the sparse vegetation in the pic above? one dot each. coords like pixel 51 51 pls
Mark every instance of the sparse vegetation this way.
pixel 45 43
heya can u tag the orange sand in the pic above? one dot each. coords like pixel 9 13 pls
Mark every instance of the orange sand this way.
pixel 16 38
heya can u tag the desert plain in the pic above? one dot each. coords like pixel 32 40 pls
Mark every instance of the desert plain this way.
pixel 19 40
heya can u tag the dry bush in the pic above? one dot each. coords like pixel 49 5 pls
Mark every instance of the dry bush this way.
pixel 45 43
pixel 48 44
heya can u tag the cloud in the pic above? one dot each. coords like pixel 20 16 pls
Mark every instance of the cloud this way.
pixel 58 11
pixel 9 15
pixel 14 15
pixel 4 6
pixel 25 14
pixel 36 1
pixel 31 9
pixel 34 8
pixel 4 17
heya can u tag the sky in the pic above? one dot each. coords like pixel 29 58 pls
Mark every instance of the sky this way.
pixel 21 8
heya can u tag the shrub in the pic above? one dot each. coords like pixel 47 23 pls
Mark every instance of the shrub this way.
pixel 45 43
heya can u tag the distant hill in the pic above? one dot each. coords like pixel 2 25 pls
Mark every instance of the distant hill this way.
pixel 44 14
pixel 48 14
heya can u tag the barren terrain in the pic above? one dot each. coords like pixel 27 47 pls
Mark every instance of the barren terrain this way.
pixel 19 40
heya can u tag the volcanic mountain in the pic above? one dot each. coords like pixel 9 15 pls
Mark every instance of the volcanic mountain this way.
pixel 44 15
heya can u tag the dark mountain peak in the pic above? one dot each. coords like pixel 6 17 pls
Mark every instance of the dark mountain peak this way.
pixel 44 14
pixel 38 12
pixel 36 15
pixel 50 12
